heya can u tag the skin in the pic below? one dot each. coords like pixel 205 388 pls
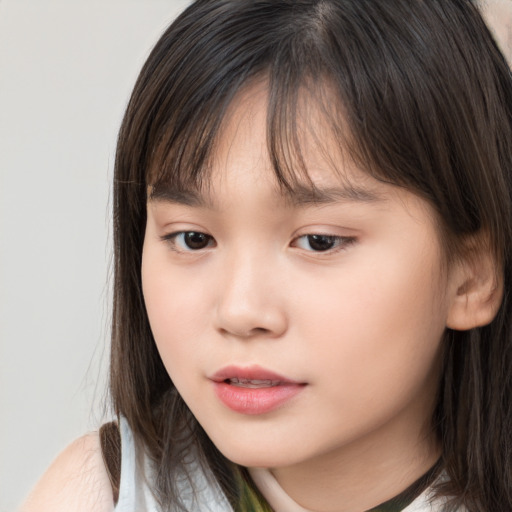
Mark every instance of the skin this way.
pixel 76 481
pixel 360 325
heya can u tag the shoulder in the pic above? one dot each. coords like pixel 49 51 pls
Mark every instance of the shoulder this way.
pixel 76 481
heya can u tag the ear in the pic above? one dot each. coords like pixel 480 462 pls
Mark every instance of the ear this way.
pixel 476 284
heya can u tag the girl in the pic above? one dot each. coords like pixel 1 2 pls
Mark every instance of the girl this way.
pixel 312 267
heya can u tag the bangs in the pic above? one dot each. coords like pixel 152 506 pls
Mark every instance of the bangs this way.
pixel 294 73
pixel 184 161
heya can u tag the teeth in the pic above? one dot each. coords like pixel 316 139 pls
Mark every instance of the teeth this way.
pixel 248 383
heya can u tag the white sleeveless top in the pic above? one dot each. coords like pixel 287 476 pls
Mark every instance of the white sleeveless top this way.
pixel 202 494
pixel 199 495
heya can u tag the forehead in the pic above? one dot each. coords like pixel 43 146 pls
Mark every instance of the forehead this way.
pixel 304 156
pixel 306 165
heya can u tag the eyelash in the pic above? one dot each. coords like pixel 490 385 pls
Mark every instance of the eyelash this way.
pixel 339 243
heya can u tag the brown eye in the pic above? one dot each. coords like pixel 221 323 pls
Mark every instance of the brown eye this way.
pixel 321 242
pixel 195 241
pixel 189 241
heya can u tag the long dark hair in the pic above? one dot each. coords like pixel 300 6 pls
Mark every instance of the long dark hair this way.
pixel 424 101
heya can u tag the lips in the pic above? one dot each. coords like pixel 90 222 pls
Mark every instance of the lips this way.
pixel 253 390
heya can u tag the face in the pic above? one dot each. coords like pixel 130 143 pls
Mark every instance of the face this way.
pixel 298 329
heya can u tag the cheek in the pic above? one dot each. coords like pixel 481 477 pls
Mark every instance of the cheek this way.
pixel 380 324
pixel 174 307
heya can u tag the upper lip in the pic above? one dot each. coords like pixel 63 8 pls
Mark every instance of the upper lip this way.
pixel 254 372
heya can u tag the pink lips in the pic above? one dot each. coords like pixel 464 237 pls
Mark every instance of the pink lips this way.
pixel 253 390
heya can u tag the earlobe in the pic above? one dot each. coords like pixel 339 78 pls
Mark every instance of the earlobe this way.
pixel 477 294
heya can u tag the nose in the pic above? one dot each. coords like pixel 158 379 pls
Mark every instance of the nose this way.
pixel 251 299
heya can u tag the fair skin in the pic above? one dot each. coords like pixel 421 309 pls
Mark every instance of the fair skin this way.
pixel 354 317
pixel 76 481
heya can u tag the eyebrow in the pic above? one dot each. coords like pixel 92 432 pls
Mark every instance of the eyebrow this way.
pixel 166 194
pixel 298 196
pixel 302 195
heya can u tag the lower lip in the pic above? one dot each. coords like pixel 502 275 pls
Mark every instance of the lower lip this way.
pixel 256 400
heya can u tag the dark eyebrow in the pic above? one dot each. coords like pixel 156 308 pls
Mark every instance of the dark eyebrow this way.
pixel 299 196
pixel 304 196
pixel 163 193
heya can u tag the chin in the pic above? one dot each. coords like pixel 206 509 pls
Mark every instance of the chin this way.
pixel 257 456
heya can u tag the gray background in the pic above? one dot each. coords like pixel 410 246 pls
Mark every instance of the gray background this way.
pixel 66 71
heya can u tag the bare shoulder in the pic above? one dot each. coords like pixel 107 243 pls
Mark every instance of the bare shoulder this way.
pixel 76 481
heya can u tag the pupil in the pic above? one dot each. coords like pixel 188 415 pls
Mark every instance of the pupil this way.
pixel 196 240
pixel 321 242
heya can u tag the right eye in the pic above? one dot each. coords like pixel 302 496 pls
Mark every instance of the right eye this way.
pixel 189 241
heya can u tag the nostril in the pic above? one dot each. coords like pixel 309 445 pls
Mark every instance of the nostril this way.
pixel 255 331
pixel 260 330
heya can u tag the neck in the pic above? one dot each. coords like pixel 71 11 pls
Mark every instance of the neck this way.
pixel 363 475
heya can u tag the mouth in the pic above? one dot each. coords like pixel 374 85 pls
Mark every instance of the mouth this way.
pixel 252 383
pixel 250 375
pixel 254 390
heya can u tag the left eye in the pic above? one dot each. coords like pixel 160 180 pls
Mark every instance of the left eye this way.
pixel 321 243
pixel 189 240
